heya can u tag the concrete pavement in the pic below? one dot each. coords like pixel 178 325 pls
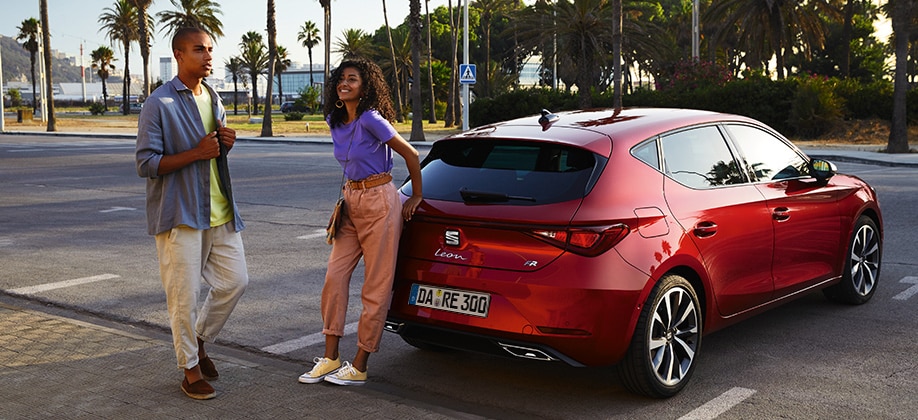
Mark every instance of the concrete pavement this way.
pixel 60 363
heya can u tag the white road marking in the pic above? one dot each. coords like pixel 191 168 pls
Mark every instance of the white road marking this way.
pixel 302 342
pixel 320 233
pixel 719 405
pixel 114 209
pixel 911 291
pixel 62 284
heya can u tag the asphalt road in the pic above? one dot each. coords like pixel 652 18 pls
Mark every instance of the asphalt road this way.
pixel 72 233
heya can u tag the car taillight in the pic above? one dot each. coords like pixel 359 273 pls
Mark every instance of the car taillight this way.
pixel 584 241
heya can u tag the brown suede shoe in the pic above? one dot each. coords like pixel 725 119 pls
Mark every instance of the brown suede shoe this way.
pixel 200 390
pixel 208 370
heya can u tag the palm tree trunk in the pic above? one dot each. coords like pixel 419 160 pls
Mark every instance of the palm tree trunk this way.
pixel 433 97
pixel 417 123
pixel 617 54
pixel 46 37
pixel 398 99
pixel 453 96
pixel 898 133
pixel 34 102
pixel 266 126
pixel 235 94
pixel 126 84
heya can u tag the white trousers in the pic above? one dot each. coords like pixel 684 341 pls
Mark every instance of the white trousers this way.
pixel 187 256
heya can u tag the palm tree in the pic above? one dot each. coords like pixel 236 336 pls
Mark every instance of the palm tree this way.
pixel 266 126
pixel 49 82
pixel 120 24
pixel 200 14
pixel 281 64
pixel 490 10
pixel 417 107
pixel 398 96
pixel 28 32
pixel 144 28
pixel 235 68
pixel 901 13
pixel 102 59
pixel 356 43
pixel 326 7
pixel 774 28
pixel 254 61
pixel 617 53
pixel 583 33
pixel 309 36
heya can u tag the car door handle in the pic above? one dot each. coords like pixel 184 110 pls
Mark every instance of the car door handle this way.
pixel 781 214
pixel 705 229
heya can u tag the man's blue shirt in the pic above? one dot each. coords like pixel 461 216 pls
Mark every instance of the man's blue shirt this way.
pixel 170 123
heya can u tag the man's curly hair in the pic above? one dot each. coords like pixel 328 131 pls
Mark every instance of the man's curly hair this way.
pixel 375 93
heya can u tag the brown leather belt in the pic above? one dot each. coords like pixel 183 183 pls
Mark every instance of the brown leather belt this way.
pixel 369 182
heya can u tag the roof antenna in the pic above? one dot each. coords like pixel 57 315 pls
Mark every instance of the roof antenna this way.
pixel 547 119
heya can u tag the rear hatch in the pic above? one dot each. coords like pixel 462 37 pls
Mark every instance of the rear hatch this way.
pixel 496 203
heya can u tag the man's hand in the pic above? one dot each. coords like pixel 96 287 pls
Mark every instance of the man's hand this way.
pixel 226 135
pixel 208 147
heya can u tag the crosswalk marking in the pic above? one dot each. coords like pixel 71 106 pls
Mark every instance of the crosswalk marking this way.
pixel 62 284
pixel 714 408
pixel 303 342
pixel 911 291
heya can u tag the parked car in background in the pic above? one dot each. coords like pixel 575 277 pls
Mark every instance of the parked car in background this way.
pixel 623 236
pixel 135 107
pixel 286 107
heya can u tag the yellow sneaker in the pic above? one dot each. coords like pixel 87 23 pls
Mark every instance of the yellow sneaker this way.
pixel 324 366
pixel 347 375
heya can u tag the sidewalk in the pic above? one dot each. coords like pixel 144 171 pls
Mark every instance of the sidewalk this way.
pixel 56 363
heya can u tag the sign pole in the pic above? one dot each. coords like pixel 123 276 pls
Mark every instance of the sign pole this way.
pixel 465 60
pixel 2 119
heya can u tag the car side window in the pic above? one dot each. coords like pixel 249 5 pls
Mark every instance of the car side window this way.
pixel 768 157
pixel 699 158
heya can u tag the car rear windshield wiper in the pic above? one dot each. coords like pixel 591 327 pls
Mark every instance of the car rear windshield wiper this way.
pixel 490 197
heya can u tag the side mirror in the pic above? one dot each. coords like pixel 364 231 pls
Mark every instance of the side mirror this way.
pixel 822 169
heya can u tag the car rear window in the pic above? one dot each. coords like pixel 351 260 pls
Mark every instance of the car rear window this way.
pixel 507 172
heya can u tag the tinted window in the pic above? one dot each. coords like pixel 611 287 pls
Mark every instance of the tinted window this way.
pixel 768 157
pixel 519 173
pixel 647 153
pixel 699 158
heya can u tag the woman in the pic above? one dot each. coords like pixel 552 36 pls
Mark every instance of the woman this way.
pixel 358 110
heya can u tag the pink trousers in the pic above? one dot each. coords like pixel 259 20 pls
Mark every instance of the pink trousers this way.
pixel 370 229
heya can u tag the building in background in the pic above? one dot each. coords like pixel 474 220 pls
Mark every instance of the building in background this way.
pixel 166 69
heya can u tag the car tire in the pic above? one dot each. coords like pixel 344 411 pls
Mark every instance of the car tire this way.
pixel 862 265
pixel 667 337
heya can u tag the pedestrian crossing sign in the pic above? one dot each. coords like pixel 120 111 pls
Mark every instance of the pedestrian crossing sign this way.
pixel 467 74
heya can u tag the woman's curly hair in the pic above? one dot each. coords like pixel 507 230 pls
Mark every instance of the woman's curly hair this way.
pixel 375 93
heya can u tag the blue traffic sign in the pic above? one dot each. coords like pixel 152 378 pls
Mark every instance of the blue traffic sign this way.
pixel 467 74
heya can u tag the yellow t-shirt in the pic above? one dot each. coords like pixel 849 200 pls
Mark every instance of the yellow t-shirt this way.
pixel 220 211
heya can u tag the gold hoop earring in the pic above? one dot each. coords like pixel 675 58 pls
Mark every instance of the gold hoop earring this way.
pixel 339 104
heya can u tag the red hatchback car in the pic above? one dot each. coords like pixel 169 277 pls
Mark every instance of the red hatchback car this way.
pixel 621 236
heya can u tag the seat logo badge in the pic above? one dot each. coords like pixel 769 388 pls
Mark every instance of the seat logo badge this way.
pixel 451 237
pixel 531 263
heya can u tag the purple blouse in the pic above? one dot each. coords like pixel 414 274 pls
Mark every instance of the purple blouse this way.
pixel 360 146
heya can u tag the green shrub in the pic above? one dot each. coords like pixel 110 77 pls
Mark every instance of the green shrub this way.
pixel 873 100
pixel 519 103
pixel 96 108
pixel 293 116
pixel 815 108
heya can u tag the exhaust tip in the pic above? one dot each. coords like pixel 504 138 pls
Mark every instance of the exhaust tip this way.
pixel 526 352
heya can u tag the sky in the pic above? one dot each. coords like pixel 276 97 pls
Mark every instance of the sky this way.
pixel 75 22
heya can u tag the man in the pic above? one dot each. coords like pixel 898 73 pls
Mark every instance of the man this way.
pixel 182 143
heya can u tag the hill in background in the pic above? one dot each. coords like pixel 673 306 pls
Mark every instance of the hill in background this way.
pixel 16 65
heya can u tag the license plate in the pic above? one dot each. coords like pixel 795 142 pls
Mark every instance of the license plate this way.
pixel 451 300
